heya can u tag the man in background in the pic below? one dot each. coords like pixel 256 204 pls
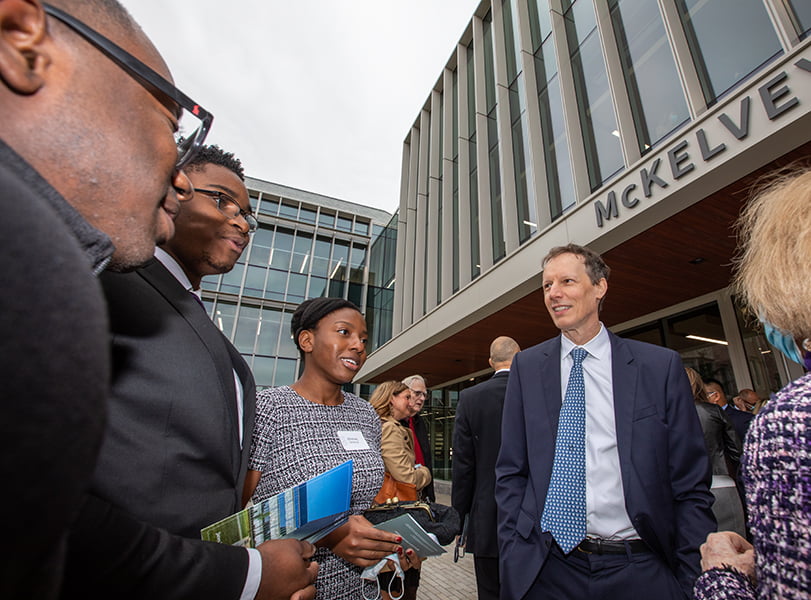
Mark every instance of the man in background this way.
pixel 740 420
pixel 476 441
pixel 422 445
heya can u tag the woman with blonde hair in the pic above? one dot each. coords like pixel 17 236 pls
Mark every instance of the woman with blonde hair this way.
pixel 392 402
pixel 772 278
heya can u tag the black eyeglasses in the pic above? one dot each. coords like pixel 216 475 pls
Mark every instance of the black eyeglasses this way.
pixel 154 83
pixel 230 207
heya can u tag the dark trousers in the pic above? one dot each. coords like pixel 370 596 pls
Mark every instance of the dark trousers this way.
pixel 581 576
pixel 487 581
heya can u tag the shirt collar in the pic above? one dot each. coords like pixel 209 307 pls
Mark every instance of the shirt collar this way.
pixel 175 269
pixel 599 346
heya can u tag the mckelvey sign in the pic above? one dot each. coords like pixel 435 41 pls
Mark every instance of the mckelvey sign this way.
pixel 776 99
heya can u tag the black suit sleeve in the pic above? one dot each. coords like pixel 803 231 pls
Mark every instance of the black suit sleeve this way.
pixel 464 460
pixel 112 555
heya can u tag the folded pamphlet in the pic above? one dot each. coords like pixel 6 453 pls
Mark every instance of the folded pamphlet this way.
pixel 307 511
pixel 414 536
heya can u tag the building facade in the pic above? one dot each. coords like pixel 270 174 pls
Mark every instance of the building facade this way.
pixel 636 127
pixel 307 245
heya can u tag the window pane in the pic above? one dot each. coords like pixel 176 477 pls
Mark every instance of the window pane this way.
pixel 344 223
pixel 285 372
pixel 321 253
pixel 657 100
pixel 224 317
pixel 277 280
pixel 801 11
pixel 255 281
pixel 362 227
pixel 262 370
pixel 729 39
pixel 296 286
pixel 261 243
pixel 269 327
pixel 247 324
pixel 282 247
pixel 301 253
pixel 307 215
pixel 326 219
pixel 289 210
pixel 232 281
pixel 595 107
pixel 286 345
pixel 269 206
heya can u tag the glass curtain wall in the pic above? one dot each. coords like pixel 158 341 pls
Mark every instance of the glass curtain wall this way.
pixel 455 167
pixel 595 106
pixel 524 191
pixel 475 262
pixel 658 103
pixel 439 170
pixel 729 40
pixel 559 178
pixel 496 215
pixel 380 292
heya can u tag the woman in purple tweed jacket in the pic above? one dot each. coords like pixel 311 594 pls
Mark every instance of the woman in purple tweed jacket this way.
pixel 773 277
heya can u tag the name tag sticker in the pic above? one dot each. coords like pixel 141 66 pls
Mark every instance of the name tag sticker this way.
pixel 353 440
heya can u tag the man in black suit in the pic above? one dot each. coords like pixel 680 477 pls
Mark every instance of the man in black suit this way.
pixel 183 399
pixel 740 420
pixel 476 441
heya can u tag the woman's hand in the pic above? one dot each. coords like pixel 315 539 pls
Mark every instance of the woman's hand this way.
pixel 358 542
pixel 726 548
pixel 410 560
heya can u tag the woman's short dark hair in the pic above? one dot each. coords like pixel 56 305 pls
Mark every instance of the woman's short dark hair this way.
pixel 310 312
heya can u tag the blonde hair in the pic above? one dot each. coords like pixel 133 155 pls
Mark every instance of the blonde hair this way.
pixel 772 265
pixel 381 397
pixel 697 385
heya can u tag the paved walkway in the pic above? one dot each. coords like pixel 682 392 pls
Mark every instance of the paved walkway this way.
pixel 442 579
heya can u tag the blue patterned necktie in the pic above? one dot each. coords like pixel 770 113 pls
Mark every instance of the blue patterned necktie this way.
pixel 564 513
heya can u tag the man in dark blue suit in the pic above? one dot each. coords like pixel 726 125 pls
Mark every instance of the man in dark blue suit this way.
pixel 602 481
pixel 476 441
pixel 740 420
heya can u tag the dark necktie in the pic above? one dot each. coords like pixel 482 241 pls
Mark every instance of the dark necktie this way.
pixel 564 513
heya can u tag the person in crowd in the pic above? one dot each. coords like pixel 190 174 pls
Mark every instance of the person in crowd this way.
pixel 182 397
pixel 313 425
pixel 418 427
pixel 602 483
pixel 746 400
pixel 716 395
pixel 98 190
pixel 771 275
pixel 723 447
pixel 393 402
pixel 476 441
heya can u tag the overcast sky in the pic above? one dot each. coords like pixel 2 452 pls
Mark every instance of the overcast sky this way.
pixel 313 94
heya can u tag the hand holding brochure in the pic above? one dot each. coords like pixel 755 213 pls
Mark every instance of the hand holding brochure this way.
pixel 414 536
pixel 307 511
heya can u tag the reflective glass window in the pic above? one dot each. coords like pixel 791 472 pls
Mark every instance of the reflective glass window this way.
pixel 306 215
pixel 340 259
pixel 268 331
pixel 232 281
pixel 344 223
pixel 255 281
pixel 296 288
pixel 282 249
pixel 224 314
pixel 472 175
pixel 247 325
pixel 658 103
pixel 277 281
pixel 801 12
pixel 321 252
pixel 729 40
pixel 285 372
pixel 262 370
pixel 211 283
pixel 362 227
pixel 326 219
pixel 261 243
pixel 301 253
pixel 289 210
pixel 355 293
pixel 269 206
pixel 595 107
pixel 287 347
pixel 318 287
pixel 455 168
pixel 357 260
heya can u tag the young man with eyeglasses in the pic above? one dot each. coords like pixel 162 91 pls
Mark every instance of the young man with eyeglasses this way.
pixel 90 178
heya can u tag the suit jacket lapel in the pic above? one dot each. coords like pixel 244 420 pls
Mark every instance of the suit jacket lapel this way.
pixel 625 379
pixel 550 382
pixel 165 283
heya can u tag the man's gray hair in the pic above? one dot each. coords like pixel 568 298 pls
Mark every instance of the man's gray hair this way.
pixel 412 378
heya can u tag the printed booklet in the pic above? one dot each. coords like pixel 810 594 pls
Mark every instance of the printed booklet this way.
pixel 307 511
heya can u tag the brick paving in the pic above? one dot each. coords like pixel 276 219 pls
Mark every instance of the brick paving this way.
pixel 442 579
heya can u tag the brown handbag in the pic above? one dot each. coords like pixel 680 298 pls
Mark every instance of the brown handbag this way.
pixel 404 492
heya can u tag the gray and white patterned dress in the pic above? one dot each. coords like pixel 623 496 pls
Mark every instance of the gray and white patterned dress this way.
pixel 295 439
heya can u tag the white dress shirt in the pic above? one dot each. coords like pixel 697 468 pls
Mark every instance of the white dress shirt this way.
pixel 606 516
pixel 254 576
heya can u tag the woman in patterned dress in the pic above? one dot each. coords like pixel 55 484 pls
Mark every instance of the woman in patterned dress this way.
pixel 773 277
pixel 311 426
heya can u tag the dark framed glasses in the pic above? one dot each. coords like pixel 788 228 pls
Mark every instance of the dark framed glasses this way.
pixel 230 207
pixel 194 120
